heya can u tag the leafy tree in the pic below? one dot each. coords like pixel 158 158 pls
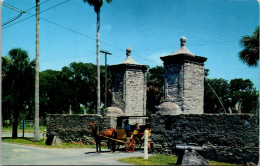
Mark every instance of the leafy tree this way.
pixel 250 52
pixel 154 88
pixel 54 93
pixel 216 94
pixel 73 87
pixel 17 84
pixel 244 94
pixel 97 6
pixel 82 80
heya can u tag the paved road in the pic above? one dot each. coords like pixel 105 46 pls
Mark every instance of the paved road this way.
pixel 6 134
pixel 13 154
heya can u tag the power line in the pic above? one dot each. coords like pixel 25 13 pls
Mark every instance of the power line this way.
pixel 55 6
pixel 13 19
pixel 216 41
pixel 32 15
pixel 35 5
pixel 79 33
pixel 69 29
pixel 74 31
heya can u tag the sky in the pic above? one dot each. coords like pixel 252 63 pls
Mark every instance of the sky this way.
pixel 152 28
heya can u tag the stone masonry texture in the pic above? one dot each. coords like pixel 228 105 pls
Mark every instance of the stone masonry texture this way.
pixel 184 85
pixel 227 138
pixel 184 79
pixel 193 88
pixel 135 93
pixel 73 127
pixel 129 88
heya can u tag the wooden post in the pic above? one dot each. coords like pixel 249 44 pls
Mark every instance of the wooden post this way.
pixel 70 110
pixel 23 126
pixel 106 53
pixel 146 144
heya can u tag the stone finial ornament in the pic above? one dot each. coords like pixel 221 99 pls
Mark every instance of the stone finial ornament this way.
pixel 128 51
pixel 183 41
pixel 129 59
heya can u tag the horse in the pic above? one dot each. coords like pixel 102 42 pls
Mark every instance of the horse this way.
pixel 97 134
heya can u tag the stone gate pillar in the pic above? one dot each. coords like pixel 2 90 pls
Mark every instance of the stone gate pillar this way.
pixel 129 81
pixel 184 80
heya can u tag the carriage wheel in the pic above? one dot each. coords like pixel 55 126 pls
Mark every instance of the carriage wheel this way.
pixel 130 145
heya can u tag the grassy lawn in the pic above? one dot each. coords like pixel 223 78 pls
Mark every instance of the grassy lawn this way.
pixel 29 141
pixel 28 129
pixel 152 160
pixel 160 159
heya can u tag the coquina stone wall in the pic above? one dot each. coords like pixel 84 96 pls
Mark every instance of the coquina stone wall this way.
pixel 184 85
pixel 135 92
pixel 193 91
pixel 231 138
pixel 118 95
pixel 129 88
pixel 73 127
pixel 184 80
pixel 173 83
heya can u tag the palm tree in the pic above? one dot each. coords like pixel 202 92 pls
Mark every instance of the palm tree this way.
pixel 36 134
pixel 17 83
pixel 250 53
pixel 97 5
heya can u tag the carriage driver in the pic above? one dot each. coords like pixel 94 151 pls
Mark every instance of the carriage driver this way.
pixel 137 127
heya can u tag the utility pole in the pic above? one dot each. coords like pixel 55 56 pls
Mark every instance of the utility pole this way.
pixel 258 95
pixel 106 53
pixel 1 67
pixel 36 135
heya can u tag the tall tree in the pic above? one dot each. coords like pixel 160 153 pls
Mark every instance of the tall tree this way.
pixel 244 94
pixel 97 6
pixel 216 95
pixel 36 134
pixel 154 88
pixel 250 52
pixel 17 83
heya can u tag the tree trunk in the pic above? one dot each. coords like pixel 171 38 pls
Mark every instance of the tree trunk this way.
pixel 1 61
pixel 15 113
pixel 98 66
pixel 15 122
pixel 36 134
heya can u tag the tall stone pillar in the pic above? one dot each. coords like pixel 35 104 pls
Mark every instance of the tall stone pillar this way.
pixel 129 83
pixel 184 80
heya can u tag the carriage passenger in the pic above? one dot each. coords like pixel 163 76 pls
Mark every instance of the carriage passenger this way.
pixel 127 126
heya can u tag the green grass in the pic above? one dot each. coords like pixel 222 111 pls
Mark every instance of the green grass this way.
pixel 28 129
pixel 160 159
pixel 152 160
pixel 29 141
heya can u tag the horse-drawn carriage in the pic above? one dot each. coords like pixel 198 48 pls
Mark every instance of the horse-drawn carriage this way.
pixel 130 136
